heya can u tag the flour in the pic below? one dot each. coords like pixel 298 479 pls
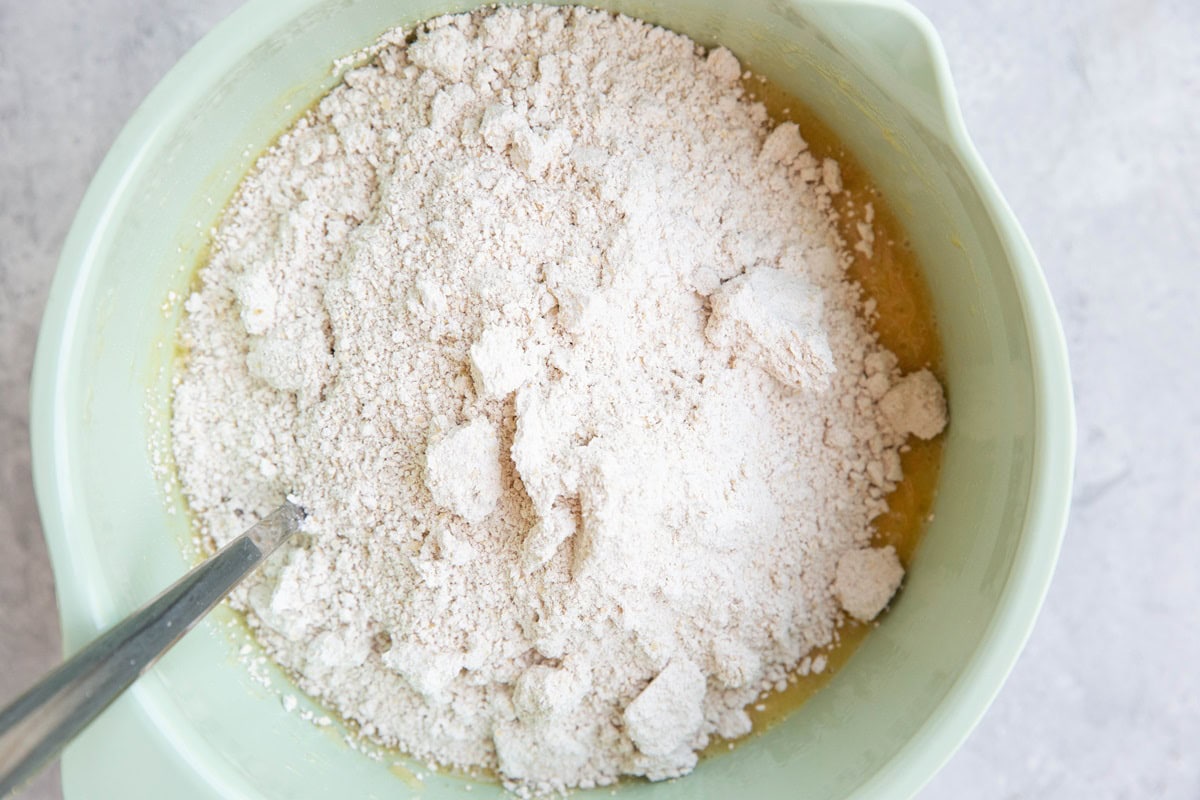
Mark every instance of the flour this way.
pixel 667 715
pixel 866 579
pixel 548 330
pixel 915 404
pixel 462 470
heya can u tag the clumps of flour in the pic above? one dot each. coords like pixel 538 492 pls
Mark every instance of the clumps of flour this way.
pixel 547 328
pixel 915 404
pixel 866 579
pixel 462 469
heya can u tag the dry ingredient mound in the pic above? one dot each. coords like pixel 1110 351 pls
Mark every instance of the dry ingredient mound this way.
pixel 548 329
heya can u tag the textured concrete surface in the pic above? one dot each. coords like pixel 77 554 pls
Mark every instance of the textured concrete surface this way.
pixel 1088 115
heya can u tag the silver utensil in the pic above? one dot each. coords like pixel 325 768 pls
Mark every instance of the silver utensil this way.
pixel 39 723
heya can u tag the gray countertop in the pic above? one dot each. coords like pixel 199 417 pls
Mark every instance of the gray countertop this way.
pixel 1088 115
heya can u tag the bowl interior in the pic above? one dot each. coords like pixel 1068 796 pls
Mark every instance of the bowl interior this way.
pixel 202 724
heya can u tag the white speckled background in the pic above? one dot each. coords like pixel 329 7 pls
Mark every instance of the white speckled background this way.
pixel 1088 114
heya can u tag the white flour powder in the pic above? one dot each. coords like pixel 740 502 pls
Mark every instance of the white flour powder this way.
pixel 549 331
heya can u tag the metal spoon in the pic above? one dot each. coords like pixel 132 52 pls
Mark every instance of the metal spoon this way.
pixel 39 723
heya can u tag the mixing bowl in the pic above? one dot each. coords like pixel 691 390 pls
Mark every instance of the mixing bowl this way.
pixel 202 725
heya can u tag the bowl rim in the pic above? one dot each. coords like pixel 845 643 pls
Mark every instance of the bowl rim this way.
pixel 82 615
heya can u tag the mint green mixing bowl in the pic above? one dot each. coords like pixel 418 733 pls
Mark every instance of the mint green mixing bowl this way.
pixel 202 726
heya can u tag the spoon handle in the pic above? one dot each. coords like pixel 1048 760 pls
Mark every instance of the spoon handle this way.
pixel 39 723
